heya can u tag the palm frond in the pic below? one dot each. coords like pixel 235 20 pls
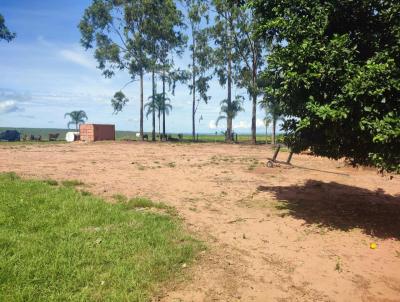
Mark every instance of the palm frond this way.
pixel 221 117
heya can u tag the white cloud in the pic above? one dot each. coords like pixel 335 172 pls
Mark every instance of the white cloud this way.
pixel 77 57
pixel 8 106
pixel 212 125
pixel 260 123
pixel 242 125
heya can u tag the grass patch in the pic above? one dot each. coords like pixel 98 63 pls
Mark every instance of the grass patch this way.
pixel 85 193
pixel 144 203
pixel 57 244
pixel 51 182
pixel 71 183
pixel 120 198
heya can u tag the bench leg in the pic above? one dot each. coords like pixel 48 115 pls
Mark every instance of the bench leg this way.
pixel 276 153
pixel 289 158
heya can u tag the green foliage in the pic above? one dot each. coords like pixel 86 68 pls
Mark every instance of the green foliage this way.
pixel 116 29
pixel 77 117
pixel 157 105
pixel 119 101
pixel 335 68
pixel 230 110
pixel 60 245
pixel 5 33
pixel 51 182
pixel 144 203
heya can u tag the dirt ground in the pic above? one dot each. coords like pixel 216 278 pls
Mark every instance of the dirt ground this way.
pixel 299 233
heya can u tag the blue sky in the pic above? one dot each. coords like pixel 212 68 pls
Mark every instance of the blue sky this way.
pixel 46 73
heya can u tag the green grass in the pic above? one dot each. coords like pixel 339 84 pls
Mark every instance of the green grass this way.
pixel 57 244
pixel 140 202
pixel 51 182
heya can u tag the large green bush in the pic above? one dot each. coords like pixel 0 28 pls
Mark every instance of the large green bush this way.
pixel 335 66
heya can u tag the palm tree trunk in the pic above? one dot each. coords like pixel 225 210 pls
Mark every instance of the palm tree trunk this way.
pixel 266 133
pixel 153 133
pixel 141 104
pixel 163 111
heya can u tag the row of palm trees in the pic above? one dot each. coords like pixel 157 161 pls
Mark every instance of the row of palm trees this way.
pixel 159 104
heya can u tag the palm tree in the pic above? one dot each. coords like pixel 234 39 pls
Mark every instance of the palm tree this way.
pixel 267 121
pixel 160 105
pixel 230 111
pixel 77 117
pixel 273 109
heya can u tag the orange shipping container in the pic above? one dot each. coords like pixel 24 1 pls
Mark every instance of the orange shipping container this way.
pixel 96 132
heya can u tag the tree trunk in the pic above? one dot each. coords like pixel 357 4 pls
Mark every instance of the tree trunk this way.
pixel 141 104
pixel 194 88
pixel 229 116
pixel 153 133
pixel 229 82
pixel 163 112
pixel 266 133
pixel 159 125
pixel 254 109
pixel 273 130
pixel 254 120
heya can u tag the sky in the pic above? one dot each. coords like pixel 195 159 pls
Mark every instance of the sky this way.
pixel 45 72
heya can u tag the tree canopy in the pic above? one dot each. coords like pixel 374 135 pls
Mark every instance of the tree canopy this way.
pixel 77 117
pixel 5 33
pixel 335 68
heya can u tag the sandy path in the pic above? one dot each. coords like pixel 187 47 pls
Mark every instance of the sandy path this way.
pixel 281 234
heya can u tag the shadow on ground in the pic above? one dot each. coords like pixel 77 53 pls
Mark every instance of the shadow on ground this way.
pixel 342 207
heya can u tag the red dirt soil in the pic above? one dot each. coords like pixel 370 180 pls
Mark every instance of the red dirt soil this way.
pixel 300 233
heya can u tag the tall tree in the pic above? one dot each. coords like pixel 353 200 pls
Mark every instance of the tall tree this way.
pixel 117 30
pixel 76 118
pixel 337 64
pixel 173 44
pixel 224 54
pixel 164 35
pixel 249 48
pixel 198 18
pixel 5 33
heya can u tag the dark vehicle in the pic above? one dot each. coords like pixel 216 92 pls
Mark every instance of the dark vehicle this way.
pixel 10 136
